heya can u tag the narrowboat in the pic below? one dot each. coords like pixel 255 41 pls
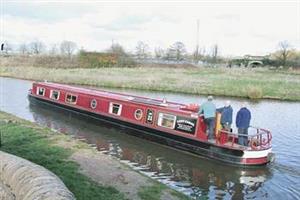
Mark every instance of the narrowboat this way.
pixel 173 124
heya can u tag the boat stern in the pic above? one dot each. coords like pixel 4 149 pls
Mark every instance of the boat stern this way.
pixel 258 157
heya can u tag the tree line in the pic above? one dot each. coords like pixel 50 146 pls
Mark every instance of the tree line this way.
pixel 67 48
pixel 285 55
pixel 176 51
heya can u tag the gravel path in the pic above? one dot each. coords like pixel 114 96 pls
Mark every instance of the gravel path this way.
pixel 108 171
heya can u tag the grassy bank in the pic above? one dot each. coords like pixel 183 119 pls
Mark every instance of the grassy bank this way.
pixel 249 83
pixel 33 143
pixel 54 151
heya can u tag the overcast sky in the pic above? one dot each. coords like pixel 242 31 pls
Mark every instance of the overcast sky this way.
pixel 238 27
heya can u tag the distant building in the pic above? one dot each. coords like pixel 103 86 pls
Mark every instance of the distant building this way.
pixel 249 61
pixel 254 61
pixel 260 58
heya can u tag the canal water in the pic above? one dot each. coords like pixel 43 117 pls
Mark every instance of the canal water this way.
pixel 195 176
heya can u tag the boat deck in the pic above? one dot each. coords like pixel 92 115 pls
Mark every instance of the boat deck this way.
pixel 228 144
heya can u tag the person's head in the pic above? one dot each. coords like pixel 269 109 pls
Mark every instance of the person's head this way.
pixel 210 98
pixel 227 103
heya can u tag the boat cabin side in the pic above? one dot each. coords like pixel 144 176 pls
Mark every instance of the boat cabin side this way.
pixel 180 121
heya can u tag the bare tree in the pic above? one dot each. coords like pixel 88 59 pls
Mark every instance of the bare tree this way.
pixel 23 49
pixel 177 50
pixel 123 59
pixel 37 47
pixel 215 52
pixel 169 55
pixel 117 49
pixel 142 50
pixel 159 53
pixel 202 51
pixel 68 47
pixel 284 51
pixel 196 54
pixel 54 49
pixel 199 54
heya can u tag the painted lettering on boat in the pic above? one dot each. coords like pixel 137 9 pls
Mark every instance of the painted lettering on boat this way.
pixel 185 124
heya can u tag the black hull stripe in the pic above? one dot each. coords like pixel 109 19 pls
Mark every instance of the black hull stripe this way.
pixel 177 142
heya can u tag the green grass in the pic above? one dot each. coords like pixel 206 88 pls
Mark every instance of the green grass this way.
pixel 184 197
pixel 33 144
pixel 153 192
pixel 248 83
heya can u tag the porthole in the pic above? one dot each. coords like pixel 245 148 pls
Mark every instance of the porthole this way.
pixel 138 114
pixel 93 103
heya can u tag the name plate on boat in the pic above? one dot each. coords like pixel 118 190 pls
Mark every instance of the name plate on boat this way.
pixel 185 124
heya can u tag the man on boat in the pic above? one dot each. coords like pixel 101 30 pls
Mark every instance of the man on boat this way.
pixel 208 109
pixel 242 121
pixel 226 116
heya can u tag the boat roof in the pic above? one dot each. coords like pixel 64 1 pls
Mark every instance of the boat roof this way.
pixel 116 95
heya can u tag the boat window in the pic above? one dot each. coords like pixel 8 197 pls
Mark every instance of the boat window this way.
pixel 72 99
pixel 93 104
pixel 54 94
pixel 166 120
pixel 115 108
pixel 40 91
pixel 138 114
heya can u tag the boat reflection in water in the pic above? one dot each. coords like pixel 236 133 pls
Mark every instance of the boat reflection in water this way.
pixel 192 175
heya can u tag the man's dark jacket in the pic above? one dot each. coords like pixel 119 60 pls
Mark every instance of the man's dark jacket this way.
pixel 243 118
pixel 226 116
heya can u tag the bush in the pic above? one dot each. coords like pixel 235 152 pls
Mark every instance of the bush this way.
pixel 254 92
pixel 99 60
pixel 125 61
